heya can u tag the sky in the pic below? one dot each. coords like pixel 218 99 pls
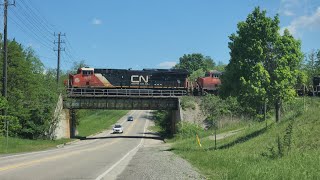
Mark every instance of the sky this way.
pixel 141 34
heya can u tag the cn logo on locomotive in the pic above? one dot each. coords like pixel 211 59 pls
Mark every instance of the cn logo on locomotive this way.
pixel 136 79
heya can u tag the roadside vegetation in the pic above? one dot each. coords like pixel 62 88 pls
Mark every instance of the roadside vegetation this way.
pixel 95 121
pixel 18 145
pixel 264 131
pixel 286 150
pixel 32 96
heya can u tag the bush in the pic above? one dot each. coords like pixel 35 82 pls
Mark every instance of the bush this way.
pixel 186 130
pixel 188 102
pixel 162 120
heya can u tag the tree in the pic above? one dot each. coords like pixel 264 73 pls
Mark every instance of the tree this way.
pixel 77 65
pixel 312 65
pixel 220 66
pixel 193 62
pixel 194 76
pixel 263 65
pixel 31 93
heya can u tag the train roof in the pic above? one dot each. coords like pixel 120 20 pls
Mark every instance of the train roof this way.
pixel 87 69
pixel 146 70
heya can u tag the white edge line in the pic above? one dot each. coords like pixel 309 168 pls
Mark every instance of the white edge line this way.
pixel 118 162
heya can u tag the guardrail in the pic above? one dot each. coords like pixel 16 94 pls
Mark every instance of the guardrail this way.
pixel 88 92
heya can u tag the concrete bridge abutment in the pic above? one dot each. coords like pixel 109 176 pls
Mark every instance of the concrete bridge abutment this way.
pixel 66 110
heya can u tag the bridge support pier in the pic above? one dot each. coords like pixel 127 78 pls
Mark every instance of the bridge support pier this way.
pixel 176 117
pixel 72 123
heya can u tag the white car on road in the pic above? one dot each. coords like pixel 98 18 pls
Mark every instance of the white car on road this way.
pixel 117 128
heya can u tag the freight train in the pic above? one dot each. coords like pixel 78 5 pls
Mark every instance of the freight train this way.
pixel 129 79
pixel 146 79
pixel 313 90
pixel 208 84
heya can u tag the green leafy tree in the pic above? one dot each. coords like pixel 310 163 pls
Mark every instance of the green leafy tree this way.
pixel 31 93
pixel 264 64
pixel 311 65
pixel 77 65
pixel 193 62
pixel 198 73
pixel 220 66
pixel 255 89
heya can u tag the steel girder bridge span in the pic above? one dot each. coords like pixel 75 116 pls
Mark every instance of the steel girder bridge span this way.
pixel 123 99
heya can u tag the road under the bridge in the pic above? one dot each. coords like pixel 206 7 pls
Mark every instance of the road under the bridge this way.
pixel 103 156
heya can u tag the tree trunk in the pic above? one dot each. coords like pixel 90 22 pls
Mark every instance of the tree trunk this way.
pixel 277 108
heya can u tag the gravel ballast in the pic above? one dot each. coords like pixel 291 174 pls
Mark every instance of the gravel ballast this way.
pixel 154 160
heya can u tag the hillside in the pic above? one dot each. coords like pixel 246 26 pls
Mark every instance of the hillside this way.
pixel 287 150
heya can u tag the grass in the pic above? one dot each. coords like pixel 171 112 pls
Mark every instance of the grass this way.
pixel 253 152
pixel 91 122
pixel 17 145
pixel 95 121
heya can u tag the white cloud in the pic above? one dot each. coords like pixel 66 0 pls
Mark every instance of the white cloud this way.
pixel 287 7
pixel 96 21
pixel 311 23
pixel 167 64
pixel 288 12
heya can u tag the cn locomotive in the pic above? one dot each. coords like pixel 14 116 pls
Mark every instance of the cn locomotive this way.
pixel 129 79
pixel 208 84
pixel 149 80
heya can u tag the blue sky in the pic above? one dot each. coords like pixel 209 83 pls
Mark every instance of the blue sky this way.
pixel 147 33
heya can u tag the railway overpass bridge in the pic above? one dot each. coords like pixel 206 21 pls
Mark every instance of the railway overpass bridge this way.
pixel 122 99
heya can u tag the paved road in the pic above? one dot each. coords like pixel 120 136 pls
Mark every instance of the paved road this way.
pixel 103 156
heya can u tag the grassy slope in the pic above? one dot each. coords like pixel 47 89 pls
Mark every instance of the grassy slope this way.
pixel 240 156
pixel 98 120
pixel 16 145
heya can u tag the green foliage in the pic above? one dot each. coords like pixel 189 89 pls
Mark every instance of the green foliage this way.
pixel 162 121
pixel 77 65
pixel 311 66
pixel 264 64
pixel 216 108
pixel 254 92
pixel 188 130
pixel 188 102
pixel 13 125
pixel 17 145
pixel 220 66
pixel 196 74
pixel 253 153
pixel 94 121
pixel 32 94
pixel 193 62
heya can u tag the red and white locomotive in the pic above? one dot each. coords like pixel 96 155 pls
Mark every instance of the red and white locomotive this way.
pixel 157 79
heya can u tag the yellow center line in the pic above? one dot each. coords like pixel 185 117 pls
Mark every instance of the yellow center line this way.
pixel 33 162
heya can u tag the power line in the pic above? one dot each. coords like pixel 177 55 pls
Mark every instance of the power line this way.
pixel 71 48
pixel 33 22
pixel 38 14
pixel 34 18
pixel 31 34
pixel 32 28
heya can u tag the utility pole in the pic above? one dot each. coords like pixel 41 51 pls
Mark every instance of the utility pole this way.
pixel 5 61
pixel 59 49
pixel 5 50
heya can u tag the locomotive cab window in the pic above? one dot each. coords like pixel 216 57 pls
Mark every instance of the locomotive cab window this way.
pixel 87 72
pixel 207 75
pixel 215 75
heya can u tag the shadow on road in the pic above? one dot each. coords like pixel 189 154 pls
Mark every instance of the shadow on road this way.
pixel 115 137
